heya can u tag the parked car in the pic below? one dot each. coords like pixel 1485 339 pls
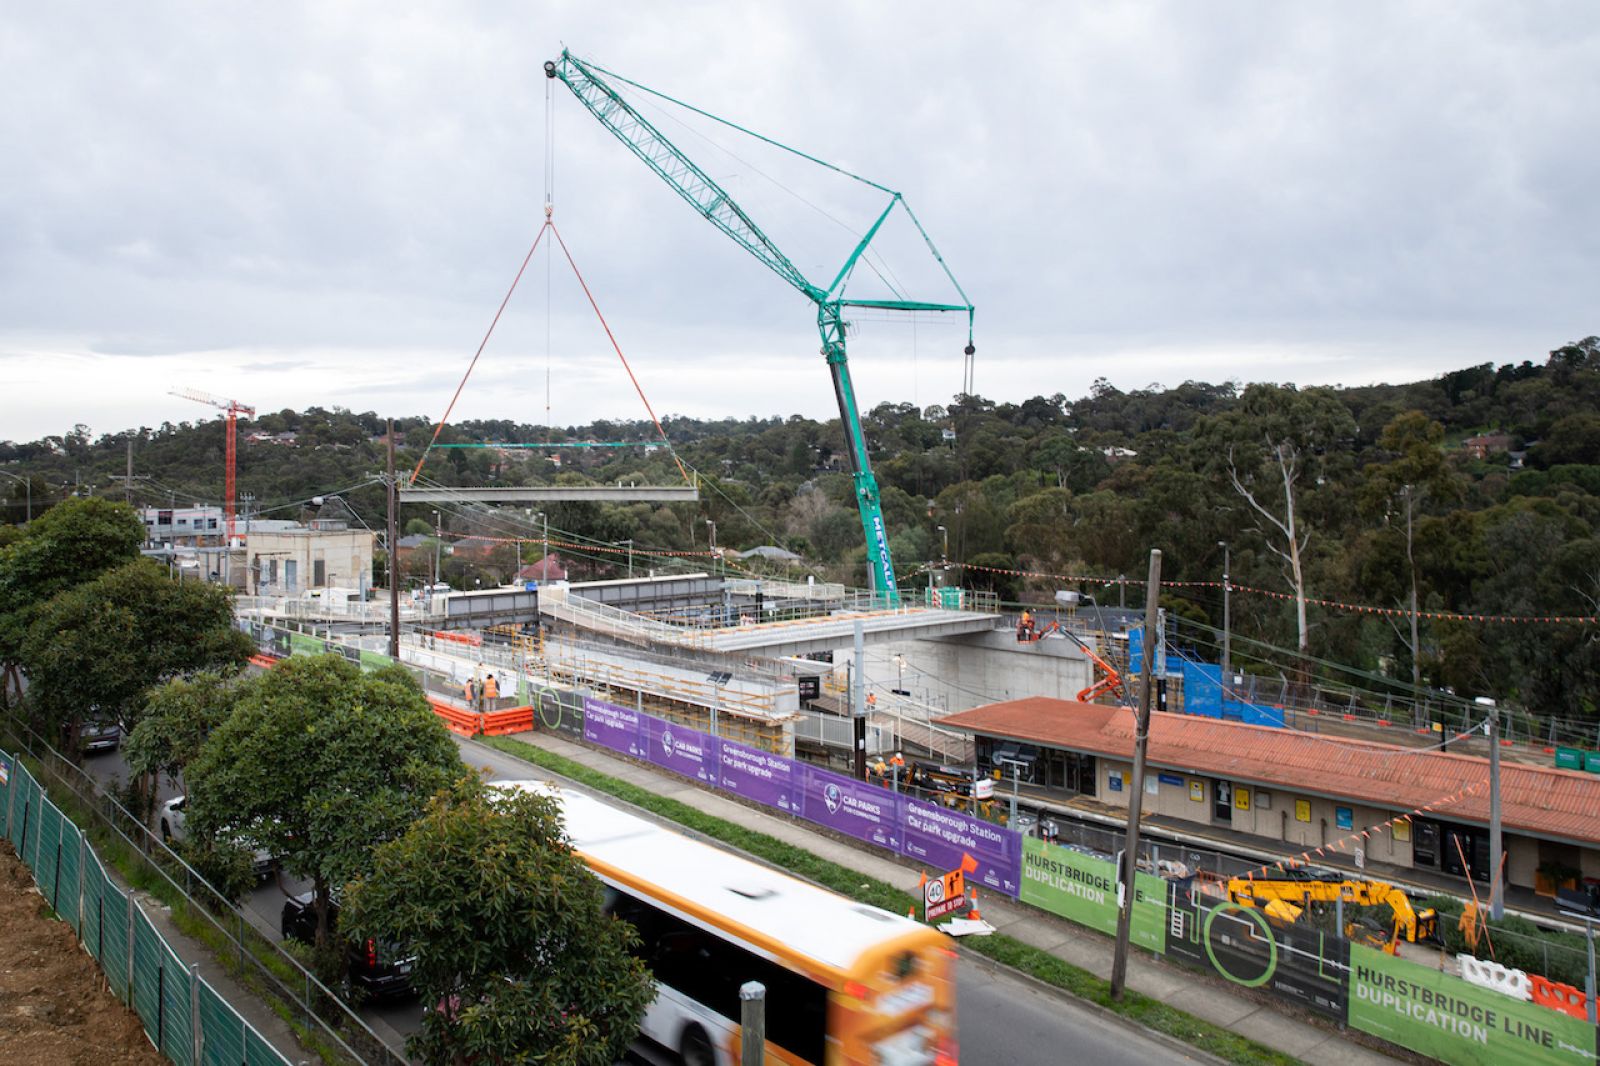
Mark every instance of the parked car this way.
pixel 262 864
pixel 377 970
pixel 96 737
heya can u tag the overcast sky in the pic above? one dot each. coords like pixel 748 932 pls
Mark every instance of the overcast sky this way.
pixel 323 204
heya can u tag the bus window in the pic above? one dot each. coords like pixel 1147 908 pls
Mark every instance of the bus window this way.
pixel 710 970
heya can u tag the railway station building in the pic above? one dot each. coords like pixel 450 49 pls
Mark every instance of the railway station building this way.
pixel 1287 791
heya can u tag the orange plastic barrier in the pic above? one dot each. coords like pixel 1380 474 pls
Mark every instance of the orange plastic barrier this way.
pixel 1557 996
pixel 510 720
pixel 474 639
pixel 266 662
pixel 455 719
pixel 493 723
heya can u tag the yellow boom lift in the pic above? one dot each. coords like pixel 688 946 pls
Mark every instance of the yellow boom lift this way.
pixel 1285 900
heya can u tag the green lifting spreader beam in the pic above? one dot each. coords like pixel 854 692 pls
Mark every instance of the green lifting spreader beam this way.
pixel 589 84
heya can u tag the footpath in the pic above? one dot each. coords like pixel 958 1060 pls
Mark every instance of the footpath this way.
pixel 1312 1043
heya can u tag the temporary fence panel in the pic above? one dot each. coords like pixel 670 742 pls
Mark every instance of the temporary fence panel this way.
pixel 177 1018
pixel 872 813
pixel 224 1043
pixel 147 975
pixel 114 939
pixel 141 968
pixel 69 883
pixel 1447 1018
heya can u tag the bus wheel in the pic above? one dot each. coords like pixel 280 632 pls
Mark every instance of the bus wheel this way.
pixel 695 1048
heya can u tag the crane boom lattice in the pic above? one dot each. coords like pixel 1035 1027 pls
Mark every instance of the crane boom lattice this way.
pixel 710 200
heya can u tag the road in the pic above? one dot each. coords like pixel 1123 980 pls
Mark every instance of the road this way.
pixel 1002 1020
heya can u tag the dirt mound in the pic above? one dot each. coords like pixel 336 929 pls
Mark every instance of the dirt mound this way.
pixel 55 1006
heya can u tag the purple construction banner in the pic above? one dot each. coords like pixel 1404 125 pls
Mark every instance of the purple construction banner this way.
pixel 612 727
pixel 758 775
pixel 924 832
pixel 678 748
pixel 941 838
pixel 866 812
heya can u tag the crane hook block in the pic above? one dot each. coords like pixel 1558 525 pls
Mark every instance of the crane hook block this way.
pixel 549 69
pixel 969 349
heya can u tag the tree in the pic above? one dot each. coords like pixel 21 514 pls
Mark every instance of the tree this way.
pixel 96 649
pixel 69 544
pixel 318 763
pixel 1273 448
pixel 178 718
pixel 509 934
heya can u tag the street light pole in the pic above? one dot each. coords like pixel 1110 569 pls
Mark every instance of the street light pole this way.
pixel 393 533
pixel 438 534
pixel 944 552
pixel 1128 873
pixel 1497 905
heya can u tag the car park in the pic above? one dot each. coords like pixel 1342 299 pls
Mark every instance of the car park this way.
pixel 377 970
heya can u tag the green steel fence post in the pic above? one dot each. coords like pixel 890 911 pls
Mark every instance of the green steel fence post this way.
pixel 81 879
pixel 197 1036
pixel 130 947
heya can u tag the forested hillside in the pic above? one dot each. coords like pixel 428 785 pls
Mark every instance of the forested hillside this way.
pixel 1481 488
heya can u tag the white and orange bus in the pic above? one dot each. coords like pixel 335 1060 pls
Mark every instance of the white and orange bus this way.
pixel 846 983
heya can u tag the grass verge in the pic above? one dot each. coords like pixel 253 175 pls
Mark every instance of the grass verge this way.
pixel 1041 965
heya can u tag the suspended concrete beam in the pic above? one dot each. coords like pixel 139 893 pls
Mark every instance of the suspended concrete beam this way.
pixel 553 494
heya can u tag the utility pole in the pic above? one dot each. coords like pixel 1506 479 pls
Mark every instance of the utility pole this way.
pixel 394 549
pixel 1141 738
pixel 1227 588
pixel 1497 905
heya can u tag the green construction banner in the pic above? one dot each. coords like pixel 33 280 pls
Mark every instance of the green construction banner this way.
pixel 1083 888
pixel 304 645
pixel 371 660
pixel 1443 1016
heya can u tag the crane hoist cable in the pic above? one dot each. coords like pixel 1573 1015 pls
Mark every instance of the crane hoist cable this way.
pixel 550 225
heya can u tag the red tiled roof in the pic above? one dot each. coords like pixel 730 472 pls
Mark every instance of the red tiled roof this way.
pixel 1536 799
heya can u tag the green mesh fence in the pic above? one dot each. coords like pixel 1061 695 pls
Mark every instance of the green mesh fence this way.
pixel 163 991
pixel 177 1033
pixel 223 1028
pixel 147 975
pixel 69 881
pixel 94 884
pixel 114 937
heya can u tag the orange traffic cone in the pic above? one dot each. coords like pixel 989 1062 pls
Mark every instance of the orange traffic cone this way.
pixel 972 911
pixel 911 912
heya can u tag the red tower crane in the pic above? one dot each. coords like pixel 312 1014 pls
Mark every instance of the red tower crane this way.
pixel 234 409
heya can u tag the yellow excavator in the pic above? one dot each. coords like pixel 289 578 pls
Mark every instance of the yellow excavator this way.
pixel 1284 901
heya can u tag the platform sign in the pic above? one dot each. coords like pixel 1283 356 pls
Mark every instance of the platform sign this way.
pixel 944 895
